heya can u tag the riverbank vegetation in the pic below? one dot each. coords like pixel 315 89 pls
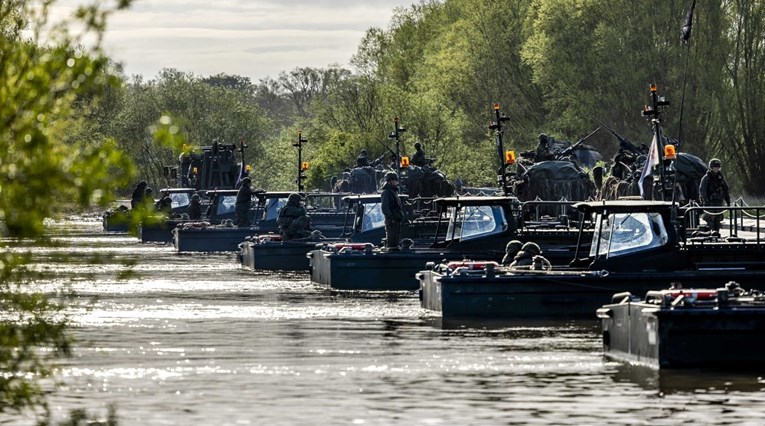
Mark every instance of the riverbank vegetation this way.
pixel 439 67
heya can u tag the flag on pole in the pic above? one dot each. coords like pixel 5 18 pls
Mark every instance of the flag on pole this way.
pixel 650 162
pixel 688 25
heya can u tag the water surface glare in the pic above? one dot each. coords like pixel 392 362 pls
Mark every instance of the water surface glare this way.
pixel 192 339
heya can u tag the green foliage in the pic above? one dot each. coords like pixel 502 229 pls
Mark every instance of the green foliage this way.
pixel 48 83
pixel 203 109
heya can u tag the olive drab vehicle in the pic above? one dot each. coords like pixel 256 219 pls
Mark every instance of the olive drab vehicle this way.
pixel 560 176
pixel 210 167
pixel 628 165
pixel 415 181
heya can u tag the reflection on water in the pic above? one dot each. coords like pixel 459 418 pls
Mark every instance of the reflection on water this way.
pixel 192 339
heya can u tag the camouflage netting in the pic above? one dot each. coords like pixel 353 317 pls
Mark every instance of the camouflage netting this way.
pixel 426 182
pixel 614 188
pixel 553 181
pixel 690 170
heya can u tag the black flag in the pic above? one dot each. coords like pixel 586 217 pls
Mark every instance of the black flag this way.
pixel 688 24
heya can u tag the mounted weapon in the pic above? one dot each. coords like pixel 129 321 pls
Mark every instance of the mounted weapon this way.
pixel 566 152
pixel 624 143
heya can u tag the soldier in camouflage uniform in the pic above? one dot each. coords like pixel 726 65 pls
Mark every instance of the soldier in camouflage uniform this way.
pixel 293 219
pixel 243 201
pixel 393 210
pixel 714 191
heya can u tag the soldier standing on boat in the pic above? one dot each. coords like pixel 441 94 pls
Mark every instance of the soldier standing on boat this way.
pixel 195 207
pixel 148 195
pixel 138 193
pixel 714 191
pixel 418 159
pixel 362 160
pixel 293 220
pixel 165 205
pixel 243 200
pixel 543 149
pixel 393 211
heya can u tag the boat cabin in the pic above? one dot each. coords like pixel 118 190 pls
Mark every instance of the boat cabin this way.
pixel 364 219
pixel 181 198
pixel 473 222
pixel 655 234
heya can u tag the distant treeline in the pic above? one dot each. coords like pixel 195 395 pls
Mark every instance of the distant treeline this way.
pixel 551 64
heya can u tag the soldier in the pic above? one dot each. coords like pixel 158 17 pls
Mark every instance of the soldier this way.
pixel 361 160
pixel 524 259
pixel 294 221
pixel 195 207
pixel 543 149
pixel 165 205
pixel 393 211
pixel 138 193
pixel 511 249
pixel 148 195
pixel 418 159
pixel 243 200
pixel 713 191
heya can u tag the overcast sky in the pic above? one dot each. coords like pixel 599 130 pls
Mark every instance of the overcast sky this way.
pixel 253 38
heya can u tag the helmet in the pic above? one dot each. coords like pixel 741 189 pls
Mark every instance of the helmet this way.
pixel 391 176
pixel 417 145
pixel 363 152
pixel 149 190
pixel 246 181
pixel 715 162
pixel 294 198
pixel 532 248
pixel 542 137
pixel 513 246
pixel 195 197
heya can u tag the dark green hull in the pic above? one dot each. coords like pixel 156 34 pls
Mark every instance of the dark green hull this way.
pixel 720 337
pixel 276 256
pixel 561 295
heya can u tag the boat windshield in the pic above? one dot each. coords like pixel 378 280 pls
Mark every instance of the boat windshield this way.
pixel 472 222
pixel 226 204
pixel 273 205
pixel 623 233
pixel 373 217
pixel 179 199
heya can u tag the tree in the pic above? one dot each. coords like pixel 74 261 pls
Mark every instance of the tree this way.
pixel 47 81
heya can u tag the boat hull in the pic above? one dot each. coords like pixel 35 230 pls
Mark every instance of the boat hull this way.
pixel 276 256
pixel 161 232
pixel 375 270
pixel 551 295
pixel 724 337
pixel 116 222
pixel 209 239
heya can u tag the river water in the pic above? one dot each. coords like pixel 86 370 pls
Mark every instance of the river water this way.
pixel 194 340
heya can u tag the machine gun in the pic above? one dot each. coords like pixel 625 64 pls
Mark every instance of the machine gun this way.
pixel 624 143
pixel 568 151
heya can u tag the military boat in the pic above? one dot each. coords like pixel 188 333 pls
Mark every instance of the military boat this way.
pixel 468 227
pixel 637 246
pixel 205 237
pixel 160 231
pixel 721 328
pixel 116 220
pixel 364 223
